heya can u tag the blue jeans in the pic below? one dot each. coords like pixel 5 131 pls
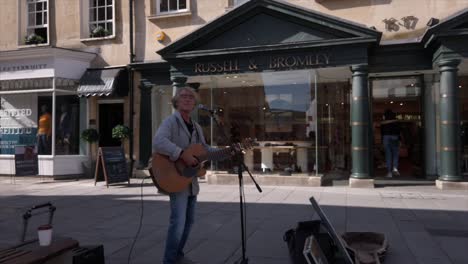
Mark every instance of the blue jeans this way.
pixel 181 221
pixel 43 145
pixel 392 151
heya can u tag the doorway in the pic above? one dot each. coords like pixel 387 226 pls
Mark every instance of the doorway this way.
pixel 110 115
pixel 402 96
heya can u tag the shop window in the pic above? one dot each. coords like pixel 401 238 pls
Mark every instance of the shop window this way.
pixel 169 7
pixel 18 121
pixel 28 119
pixel 37 30
pixel 161 107
pixel 463 90
pixel 98 19
pixel 44 125
pixel 300 120
pixel 275 109
pixel 67 123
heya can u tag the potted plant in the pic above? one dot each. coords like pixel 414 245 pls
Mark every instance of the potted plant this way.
pixel 121 132
pixel 99 32
pixel 91 136
pixel 33 39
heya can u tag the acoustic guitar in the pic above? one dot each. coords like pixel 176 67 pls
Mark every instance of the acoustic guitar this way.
pixel 176 176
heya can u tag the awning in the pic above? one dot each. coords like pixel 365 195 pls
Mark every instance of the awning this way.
pixel 99 82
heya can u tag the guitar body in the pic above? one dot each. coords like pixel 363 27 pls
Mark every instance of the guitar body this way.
pixel 176 176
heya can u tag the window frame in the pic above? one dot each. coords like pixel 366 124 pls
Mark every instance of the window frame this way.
pixel 85 8
pixel 26 29
pixel 172 12
pixel 239 2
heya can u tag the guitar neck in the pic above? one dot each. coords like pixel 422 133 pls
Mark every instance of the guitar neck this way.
pixel 215 155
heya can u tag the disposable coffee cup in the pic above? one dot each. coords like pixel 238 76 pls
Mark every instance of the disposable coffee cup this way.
pixel 44 233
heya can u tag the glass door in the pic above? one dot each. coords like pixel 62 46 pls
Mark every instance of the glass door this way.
pixel 401 97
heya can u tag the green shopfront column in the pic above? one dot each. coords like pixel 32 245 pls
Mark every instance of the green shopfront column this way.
pixel 360 114
pixel 145 123
pixel 449 121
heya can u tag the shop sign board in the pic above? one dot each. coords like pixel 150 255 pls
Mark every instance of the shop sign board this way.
pixel 111 166
pixel 27 69
pixel 26 162
pixel 286 62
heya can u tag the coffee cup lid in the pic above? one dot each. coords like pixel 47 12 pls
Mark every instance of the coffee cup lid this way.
pixel 44 227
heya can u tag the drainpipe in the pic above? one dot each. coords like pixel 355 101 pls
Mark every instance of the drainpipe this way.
pixel 130 85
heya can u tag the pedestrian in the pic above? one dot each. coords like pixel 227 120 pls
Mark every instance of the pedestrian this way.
pixel 390 129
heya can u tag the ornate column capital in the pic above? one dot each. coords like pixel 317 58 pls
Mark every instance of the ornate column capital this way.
pixel 145 85
pixel 448 64
pixel 360 69
pixel 178 81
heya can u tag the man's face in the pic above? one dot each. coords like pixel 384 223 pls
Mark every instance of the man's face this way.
pixel 186 102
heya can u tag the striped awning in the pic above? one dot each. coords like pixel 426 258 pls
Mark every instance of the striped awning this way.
pixel 103 82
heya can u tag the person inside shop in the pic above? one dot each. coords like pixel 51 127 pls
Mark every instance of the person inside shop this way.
pixel 390 129
pixel 44 131
pixel 176 133
pixel 64 129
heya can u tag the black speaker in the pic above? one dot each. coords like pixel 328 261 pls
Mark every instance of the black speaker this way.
pixel 88 255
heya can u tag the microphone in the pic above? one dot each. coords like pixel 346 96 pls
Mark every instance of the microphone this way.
pixel 205 108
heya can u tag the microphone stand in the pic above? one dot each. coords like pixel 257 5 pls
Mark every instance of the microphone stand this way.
pixel 239 157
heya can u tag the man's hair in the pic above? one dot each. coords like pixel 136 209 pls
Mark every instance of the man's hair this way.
pixel 176 97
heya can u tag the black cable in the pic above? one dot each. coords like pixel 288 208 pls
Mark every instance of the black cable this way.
pixel 245 219
pixel 139 226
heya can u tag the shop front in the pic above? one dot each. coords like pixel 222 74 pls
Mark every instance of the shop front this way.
pixel 290 90
pixel 313 91
pixel 40 108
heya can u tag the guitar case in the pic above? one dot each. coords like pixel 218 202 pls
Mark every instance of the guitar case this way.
pixel 296 237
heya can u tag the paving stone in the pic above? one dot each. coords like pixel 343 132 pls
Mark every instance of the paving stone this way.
pixel 422 224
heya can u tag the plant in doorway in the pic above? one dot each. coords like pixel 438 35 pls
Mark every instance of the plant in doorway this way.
pixel 121 132
pixel 91 136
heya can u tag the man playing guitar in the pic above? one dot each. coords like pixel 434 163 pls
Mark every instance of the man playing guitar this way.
pixel 177 133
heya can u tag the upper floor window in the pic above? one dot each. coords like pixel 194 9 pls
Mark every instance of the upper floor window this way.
pixel 37 22
pixel 172 6
pixel 101 18
pixel 239 2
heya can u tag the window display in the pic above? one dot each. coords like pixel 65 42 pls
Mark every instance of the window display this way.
pixel 27 119
pixel 18 121
pixel 463 86
pixel 283 111
pixel 67 112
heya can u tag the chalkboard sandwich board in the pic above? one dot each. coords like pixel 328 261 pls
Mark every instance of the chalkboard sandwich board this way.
pixel 26 163
pixel 111 166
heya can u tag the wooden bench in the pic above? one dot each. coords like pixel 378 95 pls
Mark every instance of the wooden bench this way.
pixel 31 253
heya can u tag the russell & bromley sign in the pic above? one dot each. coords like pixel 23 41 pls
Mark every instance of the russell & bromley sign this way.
pixel 264 63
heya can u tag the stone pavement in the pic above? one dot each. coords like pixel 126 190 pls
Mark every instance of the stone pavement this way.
pixel 424 225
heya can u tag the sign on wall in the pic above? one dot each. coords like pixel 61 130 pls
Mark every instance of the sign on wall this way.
pixel 18 115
